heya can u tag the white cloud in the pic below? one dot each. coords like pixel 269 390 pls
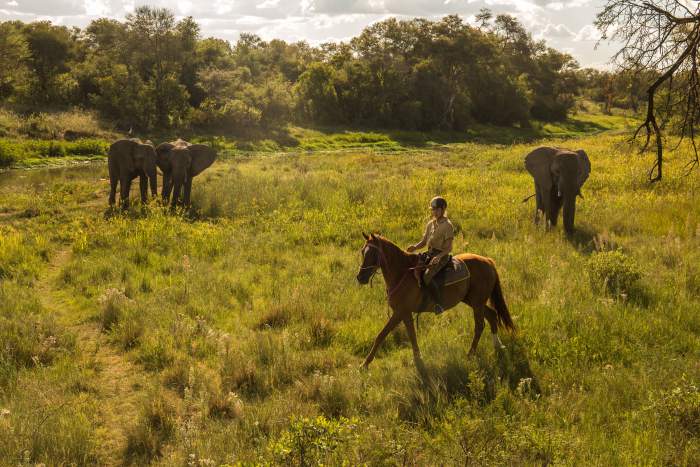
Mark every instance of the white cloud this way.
pixel 268 4
pixel 556 6
pixel 12 3
pixel 96 8
pixel 556 31
pixel 587 33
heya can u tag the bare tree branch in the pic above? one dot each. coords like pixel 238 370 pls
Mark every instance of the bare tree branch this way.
pixel 660 36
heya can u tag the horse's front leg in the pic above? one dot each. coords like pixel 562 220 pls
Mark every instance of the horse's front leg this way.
pixel 388 327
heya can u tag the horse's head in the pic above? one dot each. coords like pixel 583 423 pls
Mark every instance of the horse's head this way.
pixel 371 258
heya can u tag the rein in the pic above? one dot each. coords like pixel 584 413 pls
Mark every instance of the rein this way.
pixel 389 291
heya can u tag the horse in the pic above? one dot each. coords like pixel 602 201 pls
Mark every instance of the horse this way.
pixel 405 297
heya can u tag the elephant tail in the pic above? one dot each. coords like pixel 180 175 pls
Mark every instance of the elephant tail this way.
pixel 499 303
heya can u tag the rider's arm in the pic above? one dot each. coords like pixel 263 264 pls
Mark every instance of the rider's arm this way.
pixel 423 240
pixel 420 244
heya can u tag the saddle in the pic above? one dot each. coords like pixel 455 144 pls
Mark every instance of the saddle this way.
pixel 453 272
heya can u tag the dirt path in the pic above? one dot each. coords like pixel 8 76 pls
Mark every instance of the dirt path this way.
pixel 119 384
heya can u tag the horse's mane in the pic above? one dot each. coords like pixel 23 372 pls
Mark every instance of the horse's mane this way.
pixel 390 247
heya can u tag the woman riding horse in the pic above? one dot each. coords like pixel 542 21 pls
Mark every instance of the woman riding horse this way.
pixel 406 297
pixel 438 237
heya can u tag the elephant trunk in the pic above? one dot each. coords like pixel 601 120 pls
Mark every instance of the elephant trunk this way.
pixel 569 212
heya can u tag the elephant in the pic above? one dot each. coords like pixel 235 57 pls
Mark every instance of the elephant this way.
pixel 128 159
pixel 559 175
pixel 180 162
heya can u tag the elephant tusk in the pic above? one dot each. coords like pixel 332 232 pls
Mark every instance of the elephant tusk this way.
pixel 525 200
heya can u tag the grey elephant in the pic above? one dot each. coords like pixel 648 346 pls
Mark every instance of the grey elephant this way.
pixel 128 159
pixel 180 162
pixel 559 175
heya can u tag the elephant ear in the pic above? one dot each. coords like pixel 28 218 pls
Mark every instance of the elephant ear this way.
pixel 163 156
pixel 202 157
pixel 584 167
pixel 539 163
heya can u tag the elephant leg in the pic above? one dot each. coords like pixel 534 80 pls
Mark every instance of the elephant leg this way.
pixel 188 191
pixel 478 328
pixel 388 327
pixel 125 182
pixel 177 192
pixel 113 182
pixel 153 180
pixel 143 186
pixel 167 186
pixel 490 315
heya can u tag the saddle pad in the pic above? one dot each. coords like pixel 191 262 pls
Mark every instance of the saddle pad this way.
pixel 455 272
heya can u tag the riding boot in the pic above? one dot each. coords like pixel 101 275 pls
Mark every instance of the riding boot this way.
pixel 435 292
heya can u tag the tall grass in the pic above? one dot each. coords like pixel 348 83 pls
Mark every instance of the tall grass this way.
pixel 247 316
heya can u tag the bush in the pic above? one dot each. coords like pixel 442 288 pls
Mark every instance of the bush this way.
pixel 680 408
pixel 313 441
pixel 7 154
pixel 613 272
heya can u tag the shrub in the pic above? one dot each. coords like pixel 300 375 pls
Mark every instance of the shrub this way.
pixel 8 153
pixel 614 272
pixel 680 408
pixel 313 441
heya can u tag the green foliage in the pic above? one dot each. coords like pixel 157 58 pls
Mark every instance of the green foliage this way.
pixel 313 441
pixel 680 408
pixel 153 72
pixel 614 272
pixel 13 151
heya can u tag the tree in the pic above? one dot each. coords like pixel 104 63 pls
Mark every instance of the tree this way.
pixel 50 52
pixel 14 51
pixel 660 36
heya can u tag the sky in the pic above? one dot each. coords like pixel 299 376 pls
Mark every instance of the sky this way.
pixel 564 24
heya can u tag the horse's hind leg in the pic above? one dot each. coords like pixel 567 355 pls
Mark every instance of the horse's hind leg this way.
pixel 478 328
pixel 490 314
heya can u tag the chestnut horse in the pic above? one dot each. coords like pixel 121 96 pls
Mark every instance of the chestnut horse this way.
pixel 405 297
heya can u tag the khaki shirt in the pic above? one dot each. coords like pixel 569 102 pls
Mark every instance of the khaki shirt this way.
pixel 438 233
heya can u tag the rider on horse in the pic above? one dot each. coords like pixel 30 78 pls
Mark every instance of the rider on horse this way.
pixel 438 238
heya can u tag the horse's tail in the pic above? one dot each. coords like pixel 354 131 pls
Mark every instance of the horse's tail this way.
pixel 499 303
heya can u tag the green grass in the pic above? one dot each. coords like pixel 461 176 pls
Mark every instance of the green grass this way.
pixel 246 319
pixel 21 148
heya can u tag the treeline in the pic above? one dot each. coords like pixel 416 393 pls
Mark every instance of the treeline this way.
pixel 151 71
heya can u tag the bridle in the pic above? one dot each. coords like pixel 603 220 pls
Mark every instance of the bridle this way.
pixel 378 265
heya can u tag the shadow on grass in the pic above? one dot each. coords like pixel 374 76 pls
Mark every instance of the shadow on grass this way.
pixel 475 379
pixel 583 239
